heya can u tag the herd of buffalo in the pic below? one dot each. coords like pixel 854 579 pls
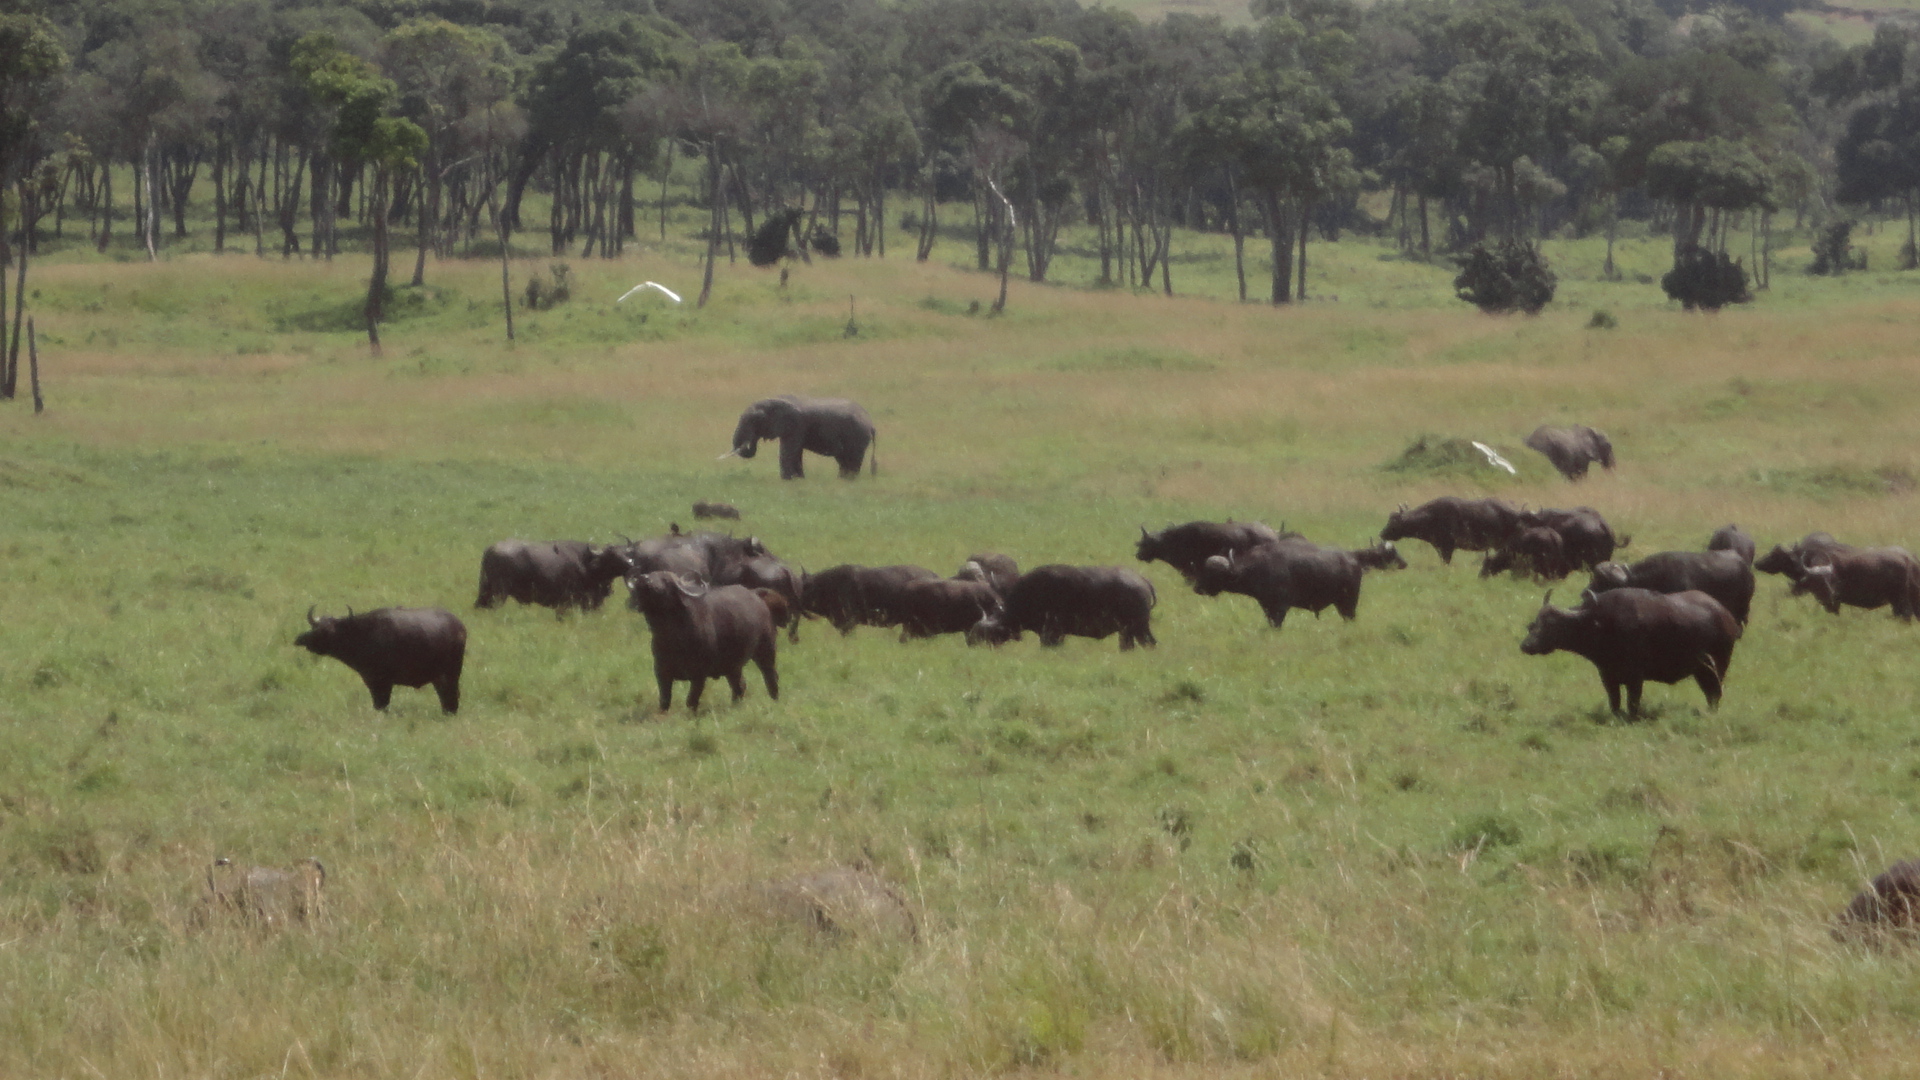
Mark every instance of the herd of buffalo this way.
pixel 713 602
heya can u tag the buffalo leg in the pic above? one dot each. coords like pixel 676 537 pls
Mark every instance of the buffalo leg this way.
pixel 1613 695
pixel 697 686
pixel 790 467
pixel 768 673
pixel 666 693
pixel 448 687
pixel 1709 681
pixel 1633 698
pixel 382 692
pixel 1446 553
pixel 736 683
pixel 1276 615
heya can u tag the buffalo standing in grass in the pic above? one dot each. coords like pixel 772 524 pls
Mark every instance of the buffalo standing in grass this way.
pixel 848 596
pixel 1634 635
pixel 559 575
pixel 1281 577
pixel 701 632
pixel 1863 578
pixel 1454 524
pixel 1732 538
pixel 1572 449
pixel 1586 538
pixel 1791 560
pixel 391 647
pixel 1083 601
pixel 769 573
pixel 999 571
pixel 1187 547
pixel 1538 551
pixel 945 606
pixel 1723 575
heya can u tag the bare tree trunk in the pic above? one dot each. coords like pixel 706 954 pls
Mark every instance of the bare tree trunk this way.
pixel 427 213
pixel 1306 212
pixel 377 282
pixel 33 370
pixel 1007 236
pixel 27 214
pixel 150 224
pixel 1240 235
pixel 713 223
pixel 506 284
pixel 219 189
pixel 106 210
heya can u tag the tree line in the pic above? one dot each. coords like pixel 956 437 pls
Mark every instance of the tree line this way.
pixel 427 123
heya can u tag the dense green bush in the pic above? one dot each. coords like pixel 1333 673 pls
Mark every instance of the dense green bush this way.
pixel 1511 275
pixel 1706 279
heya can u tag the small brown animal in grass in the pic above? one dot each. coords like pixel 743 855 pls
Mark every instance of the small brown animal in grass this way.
pixel 703 510
pixel 1891 902
pixel 842 902
pixel 265 896
pixel 778 607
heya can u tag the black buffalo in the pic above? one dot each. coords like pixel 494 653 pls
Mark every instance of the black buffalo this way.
pixel 1085 601
pixel 1633 635
pixel 703 632
pixel 560 574
pixel 1585 537
pixel 1186 547
pixel 1572 449
pixel 1732 538
pixel 390 647
pixel 703 510
pixel 769 573
pixel 1539 551
pixel 945 606
pixel 1863 578
pixel 1891 902
pixel 1723 575
pixel 1296 574
pixel 999 571
pixel 1791 560
pixel 1454 524
pixel 848 596
pixel 710 555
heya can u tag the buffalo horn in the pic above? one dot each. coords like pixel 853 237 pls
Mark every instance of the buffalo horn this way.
pixel 1143 532
pixel 311 621
pixel 1587 596
pixel 1403 508
pixel 685 589
pixel 728 454
pixel 349 611
pixel 1547 599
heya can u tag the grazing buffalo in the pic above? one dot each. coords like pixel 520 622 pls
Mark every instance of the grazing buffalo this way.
pixel 1863 578
pixel 1732 538
pixel 391 647
pixel 1539 551
pixel 848 596
pixel 1723 575
pixel 1572 449
pixel 1791 560
pixel 1186 547
pixel 999 571
pixel 1453 524
pixel 703 510
pixel 1084 601
pixel 702 632
pixel 1296 575
pixel 559 575
pixel 1633 635
pixel 1585 537
pixel 945 606
pixel 1891 902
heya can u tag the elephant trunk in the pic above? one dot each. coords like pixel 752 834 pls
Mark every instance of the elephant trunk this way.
pixel 746 437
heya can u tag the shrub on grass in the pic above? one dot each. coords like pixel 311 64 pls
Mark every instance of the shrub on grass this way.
pixel 1709 280
pixel 1511 275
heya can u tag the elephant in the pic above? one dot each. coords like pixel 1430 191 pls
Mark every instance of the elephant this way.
pixel 836 427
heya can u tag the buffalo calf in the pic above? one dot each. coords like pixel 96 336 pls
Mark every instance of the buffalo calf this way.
pixel 392 647
pixel 1890 902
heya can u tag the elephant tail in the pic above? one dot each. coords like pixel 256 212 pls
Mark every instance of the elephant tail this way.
pixel 873 463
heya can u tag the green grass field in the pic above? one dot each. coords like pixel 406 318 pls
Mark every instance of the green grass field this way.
pixel 1395 847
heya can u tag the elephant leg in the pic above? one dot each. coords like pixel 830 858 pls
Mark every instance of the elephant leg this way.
pixel 790 448
pixel 850 464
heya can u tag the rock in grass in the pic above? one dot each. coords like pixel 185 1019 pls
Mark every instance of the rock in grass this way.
pixel 842 902
pixel 264 896
pixel 1890 903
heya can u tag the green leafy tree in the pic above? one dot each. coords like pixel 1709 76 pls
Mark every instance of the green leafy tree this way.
pixel 31 61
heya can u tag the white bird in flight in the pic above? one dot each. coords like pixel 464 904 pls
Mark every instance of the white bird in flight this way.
pixel 669 293
pixel 1493 458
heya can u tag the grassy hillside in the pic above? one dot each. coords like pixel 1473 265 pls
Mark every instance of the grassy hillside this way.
pixel 1395 846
